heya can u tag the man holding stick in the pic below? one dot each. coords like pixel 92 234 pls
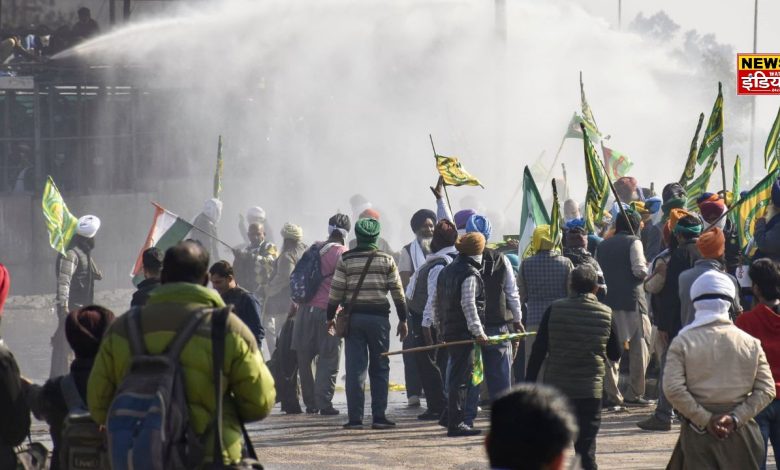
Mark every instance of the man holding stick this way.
pixel 460 308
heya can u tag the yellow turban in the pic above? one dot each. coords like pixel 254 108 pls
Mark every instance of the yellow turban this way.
pixel 541 239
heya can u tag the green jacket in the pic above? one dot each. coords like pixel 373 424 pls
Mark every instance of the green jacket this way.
pixel 249 385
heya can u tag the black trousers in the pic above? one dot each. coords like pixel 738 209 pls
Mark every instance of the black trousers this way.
pixel 461 362
pixel 429 365
pixel 588 413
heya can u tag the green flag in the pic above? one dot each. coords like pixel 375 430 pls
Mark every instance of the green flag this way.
pixel 574 132
pixel 533 212
pixel 690 164
pixel 587 113
pixel 771 148
pixel 556 221
pixel 713 135
pixel 598 185
pixel 735 187
pixel 698 186
pixel 218 172
pixel 60 223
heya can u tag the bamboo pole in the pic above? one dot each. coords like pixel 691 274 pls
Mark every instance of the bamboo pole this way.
pixel 441 345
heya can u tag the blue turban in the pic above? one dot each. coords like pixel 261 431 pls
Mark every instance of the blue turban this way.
pixel 481 224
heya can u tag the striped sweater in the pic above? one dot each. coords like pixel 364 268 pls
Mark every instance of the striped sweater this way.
pixel 382 277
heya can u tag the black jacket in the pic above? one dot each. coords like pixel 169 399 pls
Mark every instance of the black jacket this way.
pixel 145 287
pixel 15 421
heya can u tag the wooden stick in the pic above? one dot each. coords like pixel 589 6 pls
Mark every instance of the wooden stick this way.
pixel 440 345
pixel 444 186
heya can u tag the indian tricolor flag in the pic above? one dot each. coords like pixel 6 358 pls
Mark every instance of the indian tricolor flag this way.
pixel 167 230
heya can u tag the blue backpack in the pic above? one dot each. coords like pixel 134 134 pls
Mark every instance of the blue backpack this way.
pixel 307 274
pixel 148 423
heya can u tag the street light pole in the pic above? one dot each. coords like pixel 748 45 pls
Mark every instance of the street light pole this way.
pixel 620 15
pixel 753 98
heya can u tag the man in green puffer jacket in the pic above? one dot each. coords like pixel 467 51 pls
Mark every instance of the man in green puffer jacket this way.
pixel 250 390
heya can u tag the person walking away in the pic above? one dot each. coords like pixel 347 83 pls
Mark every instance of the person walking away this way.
pixel 76 276
pixel 245 304
pixel 310 339
pixel 413 256
pixel 420 296
pixel 53 401
pixel 766 234
pixel 460 309
pixel 151 263
pixel 576 250
pixel 576 335
pixel 183 293
pixel 278 291
pixel 502 311
pixel 623 261
pixel 513 444
pixel 15 424
pixel 205 227
pixel 369 323
pixel 544 277
pixel 763 323
pixel 712 248
pixel 652 230
pixel 718 379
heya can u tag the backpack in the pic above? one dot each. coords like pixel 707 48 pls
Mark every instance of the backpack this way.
pixel 148 423
pixel 307 276
pixel 82 445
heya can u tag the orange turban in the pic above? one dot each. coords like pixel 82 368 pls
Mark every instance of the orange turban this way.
pixel 712 243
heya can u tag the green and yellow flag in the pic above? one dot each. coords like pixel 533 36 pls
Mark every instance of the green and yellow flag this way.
pixel 598 185
pixel 453 172
pixel 218 172
pixel 699 186
pixel 713 135
pixel 556 221
pixel 60 223
pixel 752 207
pixel 587 114
pixel 690 164
pixel 735 188
pixel 771 147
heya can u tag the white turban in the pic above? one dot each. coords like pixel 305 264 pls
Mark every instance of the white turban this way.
pixel 88 226
pixel 713 291
pixel 255 214
pixel 213 209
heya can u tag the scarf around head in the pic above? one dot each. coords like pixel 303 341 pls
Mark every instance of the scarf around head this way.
pixel 367 232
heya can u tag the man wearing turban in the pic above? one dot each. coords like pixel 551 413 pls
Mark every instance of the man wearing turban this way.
pixel 369 324
pixel 413 256
pixel 766 235
pixel 278 291
pixel 543 278
pixel 76 276
pixel 622 259
pixel 684 228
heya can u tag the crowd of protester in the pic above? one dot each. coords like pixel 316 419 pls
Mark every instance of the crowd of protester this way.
pixel 649 282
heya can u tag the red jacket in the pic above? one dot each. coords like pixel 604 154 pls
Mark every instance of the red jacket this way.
pixel 763 323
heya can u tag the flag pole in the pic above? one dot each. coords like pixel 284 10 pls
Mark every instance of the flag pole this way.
pixel 444 185
pixel 555 161
pixel 722 160
pixel 192 226
pixel 612 187
pixel 565 182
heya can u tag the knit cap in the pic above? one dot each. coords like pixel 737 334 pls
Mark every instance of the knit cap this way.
pixel 471 244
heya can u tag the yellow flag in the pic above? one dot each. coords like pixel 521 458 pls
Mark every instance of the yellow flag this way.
pixel 453 172
pixel 60 223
